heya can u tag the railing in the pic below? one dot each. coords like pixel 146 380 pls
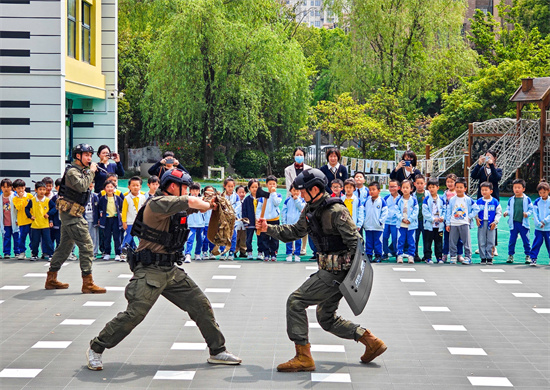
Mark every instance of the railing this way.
pixel 513 148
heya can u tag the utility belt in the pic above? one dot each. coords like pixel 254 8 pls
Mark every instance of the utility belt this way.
pixel 335 262
pixel 67 206
pixel 146 258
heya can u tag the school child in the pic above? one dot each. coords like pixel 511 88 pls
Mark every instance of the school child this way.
pixel 48 182
pixel 421 193
pixel 336 187
pixel 519 210
pixel 450 182
pixel 20 202
pixel 8 221
pixel 460 213
pixel 133 201
pixel 267 245
pixel 433 213
pixel 110 221
pixel 361 190
pixel 241 229
pixel 207 246
pixel 292 208
pixel 249 212
pixel 353 203
pixel 55 230
pixel 541 213
pixel 376 213
pixel 153 183
pixel 38 209
pixel 390 227
pixel 487 220
pixel 114 178
pixel 92 217
pixel 407 219
pixel 196 224
pixel 233 198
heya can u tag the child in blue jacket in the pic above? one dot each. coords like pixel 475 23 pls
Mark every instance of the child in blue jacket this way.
pixel 110 220
pixel 459 217
pixel 407 219
pixel 292 208
pixel 487 220
pixel 519 209
pixel 541 213
pixel 433 213
pixel 267 245
pixel 390 227
pixel 196 224
pixel 376 212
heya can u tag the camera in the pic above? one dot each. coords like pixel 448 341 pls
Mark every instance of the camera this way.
pixel 113 155
pixel 169 161
pixel 407 163
pixel 483 159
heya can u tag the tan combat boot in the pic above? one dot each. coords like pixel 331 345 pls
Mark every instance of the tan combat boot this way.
pixel 374 346
pixel 52 283
pixel 301 362
pixel 88 286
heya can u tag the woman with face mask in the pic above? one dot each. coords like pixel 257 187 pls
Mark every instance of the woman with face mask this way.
pixel 296 168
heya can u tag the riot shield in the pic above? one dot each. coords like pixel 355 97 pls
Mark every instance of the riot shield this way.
pixel 357 285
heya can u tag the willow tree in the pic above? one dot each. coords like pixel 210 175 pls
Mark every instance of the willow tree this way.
pixel 226 73
pixel 409 46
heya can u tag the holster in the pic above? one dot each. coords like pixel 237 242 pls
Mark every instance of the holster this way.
pixel 131 258
pixel 335 263
pixel 146 258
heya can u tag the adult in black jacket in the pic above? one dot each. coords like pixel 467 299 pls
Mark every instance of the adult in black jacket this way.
pixel 406 168
pixel 333 169
pixel 168 162
pixel 486 170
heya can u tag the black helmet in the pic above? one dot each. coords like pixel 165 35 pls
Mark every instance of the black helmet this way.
pixel 175 175
pixel 310 178
pixel 82 148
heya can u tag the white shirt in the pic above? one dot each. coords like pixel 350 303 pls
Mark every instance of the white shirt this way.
pixel 435 213
pixel 405 215
pixel 459 214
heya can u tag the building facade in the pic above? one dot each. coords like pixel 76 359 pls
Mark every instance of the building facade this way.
pixel 311 13
pixel 487 6
pixel 58 88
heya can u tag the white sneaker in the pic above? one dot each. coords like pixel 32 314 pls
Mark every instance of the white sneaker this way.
pixel 411 260
pixel 106 257
pixel 477 252
pixel 21 256
pixel 289 258
pixel 249 256
pixel 460 258
pixel 495 252
pixel 400 259
pixel 72 257
pixel 205 255
pixel 117 258
pixel 224 357
pixel 94 360
pixel 303 252
pixel 187 259
pixel 453 260
pixel 261 256
pixel 297 258
pixel 466 261
pixel 198 258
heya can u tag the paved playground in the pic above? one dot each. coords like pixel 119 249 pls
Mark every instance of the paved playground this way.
pixel 452 327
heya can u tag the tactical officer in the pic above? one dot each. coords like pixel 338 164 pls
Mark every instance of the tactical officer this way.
pixel 328 222
pixel 73 196
pixel 162 228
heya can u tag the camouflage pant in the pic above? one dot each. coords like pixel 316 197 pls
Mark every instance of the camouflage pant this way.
pixel 319 290
pixel 145 287
pixel 71 234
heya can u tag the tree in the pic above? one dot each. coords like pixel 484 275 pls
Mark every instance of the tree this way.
pixel 226 73
pixel 409 46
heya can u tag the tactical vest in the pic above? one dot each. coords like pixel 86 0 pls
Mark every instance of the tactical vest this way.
pixel 324 243
pixel 70 194
pixel 173 240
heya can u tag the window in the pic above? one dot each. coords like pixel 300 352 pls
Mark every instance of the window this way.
pixel 317 24
pixel 71 28
pixel 311 3
pixel 311 13
pixel 318 3
pixel 317 13
pixel 86 34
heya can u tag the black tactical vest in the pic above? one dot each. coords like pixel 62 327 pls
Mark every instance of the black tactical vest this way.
pixel 173 240
pixel 324 243
pixel 71 195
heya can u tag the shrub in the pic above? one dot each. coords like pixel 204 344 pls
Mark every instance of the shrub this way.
pixel 250 163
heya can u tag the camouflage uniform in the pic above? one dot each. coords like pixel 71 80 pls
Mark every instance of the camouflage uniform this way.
pixel 150 282
pixel 74 230
pixel 322 288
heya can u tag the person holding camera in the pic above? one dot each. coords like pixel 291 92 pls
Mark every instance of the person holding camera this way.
pixel 406 168
pixel 168 162
pixel 104 167
pixel 486 170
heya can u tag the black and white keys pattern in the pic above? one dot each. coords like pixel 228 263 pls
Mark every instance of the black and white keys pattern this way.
pixel 445 326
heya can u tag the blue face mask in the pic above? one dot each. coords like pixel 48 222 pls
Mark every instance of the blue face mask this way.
pixel 299 159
